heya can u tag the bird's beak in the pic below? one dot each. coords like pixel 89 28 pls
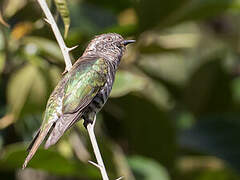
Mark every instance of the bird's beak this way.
pixel 126 42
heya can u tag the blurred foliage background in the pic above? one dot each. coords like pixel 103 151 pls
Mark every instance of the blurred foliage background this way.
pixel 174 109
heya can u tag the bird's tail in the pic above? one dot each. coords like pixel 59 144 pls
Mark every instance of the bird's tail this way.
pixel 38 139
pixel 63 123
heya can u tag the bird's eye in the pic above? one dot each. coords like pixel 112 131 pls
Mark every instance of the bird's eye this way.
pixel 109 39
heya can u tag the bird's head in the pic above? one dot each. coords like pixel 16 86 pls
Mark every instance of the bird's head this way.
pixel 110 46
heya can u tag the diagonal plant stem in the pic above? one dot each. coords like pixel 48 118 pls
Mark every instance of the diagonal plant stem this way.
pixel 49 18
pixel 65 51
pixel 100 164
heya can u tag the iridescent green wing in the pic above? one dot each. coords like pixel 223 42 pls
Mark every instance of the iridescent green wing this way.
pixel 86 79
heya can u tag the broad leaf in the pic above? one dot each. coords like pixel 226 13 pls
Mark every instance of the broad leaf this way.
pixel 147 169
pixel 45 46
pixel 13 6
pixel 126 82
pixel 2 62
pixel 19 87
pixel 51 161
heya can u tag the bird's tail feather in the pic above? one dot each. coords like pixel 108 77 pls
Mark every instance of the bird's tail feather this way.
pixel 40 136
pixel 33 140
pixel 60 127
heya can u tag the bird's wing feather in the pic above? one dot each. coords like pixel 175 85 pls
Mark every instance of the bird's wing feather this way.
pixel 83 85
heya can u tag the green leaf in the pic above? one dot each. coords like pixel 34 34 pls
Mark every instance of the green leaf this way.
pixel 168 66
pixel 2 41
pixel 158 94
pixel 45 46
pixel 19 87
pixel 121 162
pixel 38 92
pixel 126 82
pixel 2 62
pixel 13 6
pixel 27 91
pixel 64 12
pixel 147 169
pixel 51 161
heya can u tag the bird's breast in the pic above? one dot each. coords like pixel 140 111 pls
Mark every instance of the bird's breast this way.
pixel 101 98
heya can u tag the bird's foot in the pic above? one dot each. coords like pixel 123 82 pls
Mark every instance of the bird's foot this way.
pixel 86 122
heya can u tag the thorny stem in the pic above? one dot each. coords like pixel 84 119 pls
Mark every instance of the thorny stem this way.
pixel 100 164
pixel 49 18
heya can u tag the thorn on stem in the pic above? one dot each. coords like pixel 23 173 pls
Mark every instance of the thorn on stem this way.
pixel 46 20
pixel 72 48
pixel 119 178
pixel 95 164
pixel 64 72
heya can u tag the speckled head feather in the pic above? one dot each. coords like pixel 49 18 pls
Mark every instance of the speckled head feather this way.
pixel 109 45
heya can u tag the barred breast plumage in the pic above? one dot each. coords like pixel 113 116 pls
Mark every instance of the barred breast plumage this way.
pixel 101 98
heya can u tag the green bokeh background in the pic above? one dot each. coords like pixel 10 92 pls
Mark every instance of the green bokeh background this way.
pixel 174 112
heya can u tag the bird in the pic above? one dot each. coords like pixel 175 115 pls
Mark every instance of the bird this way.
pixel 82 92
